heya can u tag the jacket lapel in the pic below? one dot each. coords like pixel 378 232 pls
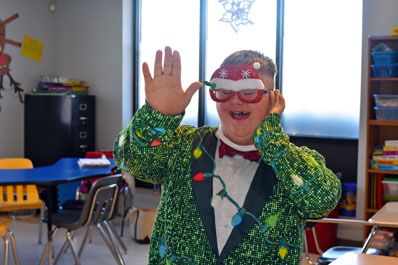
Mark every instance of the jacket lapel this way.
pixel 258 194
pixel 203 190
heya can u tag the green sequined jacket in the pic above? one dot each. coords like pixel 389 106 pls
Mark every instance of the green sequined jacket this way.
pixel 291 184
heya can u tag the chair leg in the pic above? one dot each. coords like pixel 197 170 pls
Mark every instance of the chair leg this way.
pixel 115 234
pixel 86 235
pixel 318 248
pixel 72 247
pixel 13 246
pixel 111 245
pixel 369 239
pixel 41 224
pixel 63 249
pixel 5 250
pixel 126 191
pixel 307 255
pixel 48 249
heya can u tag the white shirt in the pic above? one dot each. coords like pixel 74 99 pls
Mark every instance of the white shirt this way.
pixel 237 173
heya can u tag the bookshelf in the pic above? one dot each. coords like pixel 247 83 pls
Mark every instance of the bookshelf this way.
pixel 377 131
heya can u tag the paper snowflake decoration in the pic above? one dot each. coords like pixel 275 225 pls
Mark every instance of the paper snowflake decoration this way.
pixel 236 12
pixel 223 73
pixel 245 73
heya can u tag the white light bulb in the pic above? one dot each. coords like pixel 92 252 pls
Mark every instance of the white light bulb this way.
pixel 216 200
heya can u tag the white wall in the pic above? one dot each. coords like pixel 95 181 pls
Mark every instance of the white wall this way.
pixel 35 21
pixel 82 39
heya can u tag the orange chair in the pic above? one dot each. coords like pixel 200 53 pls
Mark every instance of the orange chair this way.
pixel 15 198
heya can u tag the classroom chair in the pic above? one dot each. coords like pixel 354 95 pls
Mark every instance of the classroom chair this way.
pixel 16 198
pixel 98 208
pixel 78 205
pixel 83 189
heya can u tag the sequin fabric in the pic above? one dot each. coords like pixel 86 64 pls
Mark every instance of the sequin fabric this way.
pixel 305 188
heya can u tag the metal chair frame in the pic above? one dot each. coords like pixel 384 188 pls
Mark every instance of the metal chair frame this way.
pixel 98 208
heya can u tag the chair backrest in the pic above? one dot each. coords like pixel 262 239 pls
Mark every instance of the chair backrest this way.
pixel 15 163
pixel 18 197
pixel 101 200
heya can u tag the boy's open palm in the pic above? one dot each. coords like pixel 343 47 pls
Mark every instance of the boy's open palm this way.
pixel 164 92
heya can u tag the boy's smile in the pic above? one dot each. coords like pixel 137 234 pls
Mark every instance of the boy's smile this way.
pixel 239 120
pixel 239 115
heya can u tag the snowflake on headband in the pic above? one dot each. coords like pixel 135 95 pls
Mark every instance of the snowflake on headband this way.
pixel 237 12
pixel 223 73
pixel 245 73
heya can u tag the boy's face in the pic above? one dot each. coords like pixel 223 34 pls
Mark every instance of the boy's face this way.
pixel 239 120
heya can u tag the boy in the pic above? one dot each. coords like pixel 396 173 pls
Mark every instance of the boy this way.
pixel 219 205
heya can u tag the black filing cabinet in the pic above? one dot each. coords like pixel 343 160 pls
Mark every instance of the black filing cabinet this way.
pixel 58 126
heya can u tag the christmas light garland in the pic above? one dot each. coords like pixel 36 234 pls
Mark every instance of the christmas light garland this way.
pixel 237 219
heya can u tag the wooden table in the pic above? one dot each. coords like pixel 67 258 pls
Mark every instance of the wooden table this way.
pixel 364 259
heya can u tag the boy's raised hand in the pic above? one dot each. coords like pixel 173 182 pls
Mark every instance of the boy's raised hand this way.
pixel 164 92
pixel 276 102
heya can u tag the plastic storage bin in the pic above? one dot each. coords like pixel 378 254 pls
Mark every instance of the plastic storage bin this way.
pixel 386 100
pixel 386 71
pixel 386 113
pixel 384 57
pixel 348 199
pixel 390 187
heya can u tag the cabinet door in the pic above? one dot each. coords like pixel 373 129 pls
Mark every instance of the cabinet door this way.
pixel 47 128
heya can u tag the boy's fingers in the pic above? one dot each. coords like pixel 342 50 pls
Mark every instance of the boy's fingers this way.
pixel 158 64
pixel 191 90
pixel 281 100
pixel 168 61
pixel 147 74
pixel 176 67
pixel 271 98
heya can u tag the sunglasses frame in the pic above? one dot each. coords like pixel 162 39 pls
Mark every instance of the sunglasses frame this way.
pixel 231 95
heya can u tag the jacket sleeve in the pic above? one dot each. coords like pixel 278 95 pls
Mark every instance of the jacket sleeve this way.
pixel 142 147
pixel 312 187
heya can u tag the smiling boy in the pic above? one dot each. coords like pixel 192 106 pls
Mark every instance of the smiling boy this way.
pixel 238 193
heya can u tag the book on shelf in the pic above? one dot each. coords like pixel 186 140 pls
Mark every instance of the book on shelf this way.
pixel 61 85
pixel 390 148
pixel 385 167
pixel 386 162
pixel 379 191
pixel 390 153
pixel 385 157
pixel 58 92
pixel 391 142
pixel 373 181
pixel 376 191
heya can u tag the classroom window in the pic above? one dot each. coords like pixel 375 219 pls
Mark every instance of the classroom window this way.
pixel 164 25
pixel 318 47
pixel 321 70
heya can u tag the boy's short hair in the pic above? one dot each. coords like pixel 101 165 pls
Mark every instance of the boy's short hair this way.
pixel 247 56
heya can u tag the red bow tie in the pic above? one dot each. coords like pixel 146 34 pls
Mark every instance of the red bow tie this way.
pixel 229 151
